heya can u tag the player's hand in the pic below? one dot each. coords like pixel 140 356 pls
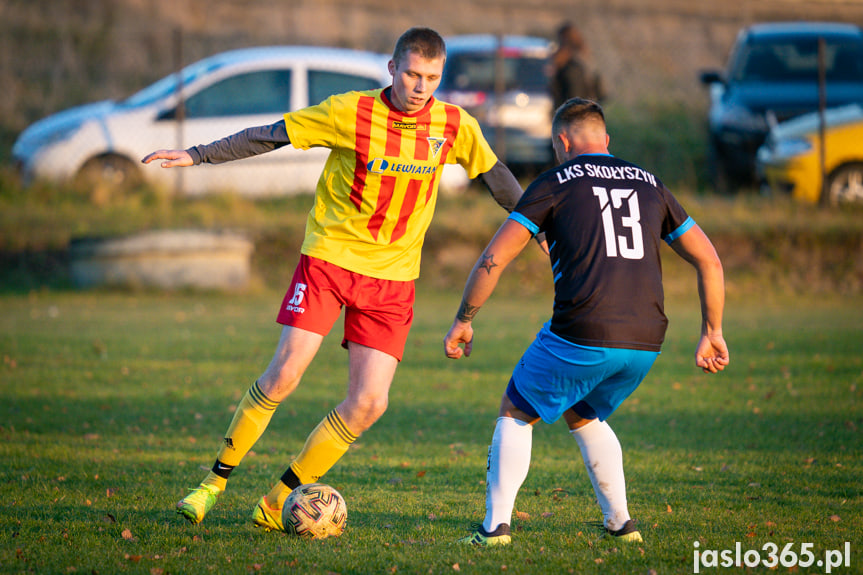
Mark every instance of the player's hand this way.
pixel 460 333
pixel 174 158
pixel 711 355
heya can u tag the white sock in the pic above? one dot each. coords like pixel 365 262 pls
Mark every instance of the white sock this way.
pixel 603 459
pixel 508 463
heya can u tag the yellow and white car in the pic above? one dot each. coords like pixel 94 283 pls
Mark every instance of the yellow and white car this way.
pixel 789 162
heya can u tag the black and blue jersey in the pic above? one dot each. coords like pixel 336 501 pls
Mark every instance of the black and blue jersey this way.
pixel 604 219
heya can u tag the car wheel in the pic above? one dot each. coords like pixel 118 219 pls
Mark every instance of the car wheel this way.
pixel 105 177
pixel 845 185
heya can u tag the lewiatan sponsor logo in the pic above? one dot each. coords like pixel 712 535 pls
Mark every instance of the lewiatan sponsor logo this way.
pixel 382 166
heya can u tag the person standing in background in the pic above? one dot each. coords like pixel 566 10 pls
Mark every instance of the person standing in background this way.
pixel 571 75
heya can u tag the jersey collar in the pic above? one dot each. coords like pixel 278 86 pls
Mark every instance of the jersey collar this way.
pixel 385 97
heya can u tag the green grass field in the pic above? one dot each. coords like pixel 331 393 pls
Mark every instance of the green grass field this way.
pixel 114 403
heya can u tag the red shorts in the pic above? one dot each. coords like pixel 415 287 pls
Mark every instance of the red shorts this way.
pixel 378 313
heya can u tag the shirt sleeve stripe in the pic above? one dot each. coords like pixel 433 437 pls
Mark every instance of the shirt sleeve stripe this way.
pixel 682 229
pixel 531 227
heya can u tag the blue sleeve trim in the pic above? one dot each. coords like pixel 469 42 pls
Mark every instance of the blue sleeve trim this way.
pixel 531 227
pixel 682 229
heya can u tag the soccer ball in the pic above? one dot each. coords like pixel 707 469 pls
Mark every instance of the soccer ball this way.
pixel 314 511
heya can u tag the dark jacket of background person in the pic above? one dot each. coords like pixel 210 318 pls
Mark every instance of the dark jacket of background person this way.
pixel 571 75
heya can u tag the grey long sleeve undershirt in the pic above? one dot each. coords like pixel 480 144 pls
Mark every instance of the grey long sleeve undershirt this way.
pixel 245 144
pixel 499 181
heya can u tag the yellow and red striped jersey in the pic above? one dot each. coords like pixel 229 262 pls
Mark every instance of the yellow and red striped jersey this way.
pixel 376 196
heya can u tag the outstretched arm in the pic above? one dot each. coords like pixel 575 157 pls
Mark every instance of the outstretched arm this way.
pixel 711 354
pixel 243 144
pixel 170 158
pixel 507 243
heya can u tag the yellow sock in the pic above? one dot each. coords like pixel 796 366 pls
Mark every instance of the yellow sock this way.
pixel 277 495
pixel 215 480
pixel 253 414
pixel 324 447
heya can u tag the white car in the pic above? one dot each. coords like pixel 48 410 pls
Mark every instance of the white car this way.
pixel 103 143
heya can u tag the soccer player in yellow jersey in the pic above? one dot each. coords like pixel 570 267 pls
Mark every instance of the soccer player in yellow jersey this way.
pixel 373 204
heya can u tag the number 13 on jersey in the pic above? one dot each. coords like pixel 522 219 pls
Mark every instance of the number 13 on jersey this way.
pixel 618 245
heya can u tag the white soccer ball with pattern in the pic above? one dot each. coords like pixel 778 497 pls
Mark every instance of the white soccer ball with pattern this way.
pixel 315 511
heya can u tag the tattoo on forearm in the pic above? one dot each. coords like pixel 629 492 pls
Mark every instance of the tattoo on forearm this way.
pixel 467 312
pixel 487 262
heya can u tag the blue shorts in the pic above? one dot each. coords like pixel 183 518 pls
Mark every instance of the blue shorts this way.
pixel 555 375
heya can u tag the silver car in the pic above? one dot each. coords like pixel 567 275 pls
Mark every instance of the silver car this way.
pixel 503 82
pixel 101 144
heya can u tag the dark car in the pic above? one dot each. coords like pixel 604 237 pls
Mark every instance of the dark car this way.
pixel 773 75
pixel 502 82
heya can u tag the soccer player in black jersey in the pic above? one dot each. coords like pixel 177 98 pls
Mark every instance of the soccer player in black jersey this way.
pixel 604 220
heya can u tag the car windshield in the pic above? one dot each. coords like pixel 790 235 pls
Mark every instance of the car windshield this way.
pixel 168 85
pixel 796 60
pixel 476 72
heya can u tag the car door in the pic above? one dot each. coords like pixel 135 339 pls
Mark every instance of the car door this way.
pixel 226 106
pixel 254 98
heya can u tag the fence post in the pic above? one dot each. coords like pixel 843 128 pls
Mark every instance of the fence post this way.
pixel 180 116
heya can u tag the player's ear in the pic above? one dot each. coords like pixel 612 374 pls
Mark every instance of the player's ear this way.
pixel 391 66
pixel 560 144
pixel 565 141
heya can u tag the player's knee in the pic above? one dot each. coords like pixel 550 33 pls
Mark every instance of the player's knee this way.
pixel 364 411
pixel 277 384
pixel 376 407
